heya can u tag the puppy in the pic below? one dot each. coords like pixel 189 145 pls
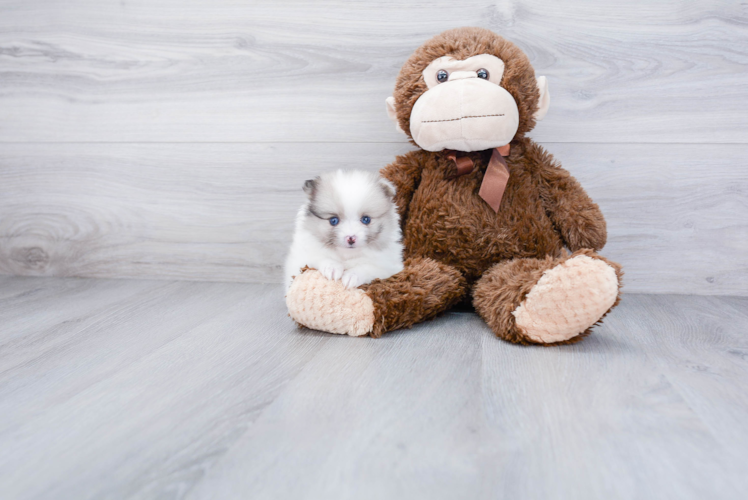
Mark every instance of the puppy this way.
pixel 348 229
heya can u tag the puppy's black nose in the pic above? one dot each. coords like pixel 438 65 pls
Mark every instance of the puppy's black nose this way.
pixel 351 240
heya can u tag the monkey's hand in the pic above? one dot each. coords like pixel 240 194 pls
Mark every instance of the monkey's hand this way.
pixel 322 304
pixel 577 218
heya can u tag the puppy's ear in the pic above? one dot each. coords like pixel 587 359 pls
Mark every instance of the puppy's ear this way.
pixel 310 186
pixel 388 187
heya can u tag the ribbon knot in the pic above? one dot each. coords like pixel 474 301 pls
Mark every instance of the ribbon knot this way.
pixel 495 179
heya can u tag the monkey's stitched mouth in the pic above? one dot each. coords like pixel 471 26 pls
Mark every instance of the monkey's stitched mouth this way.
pixel 461 118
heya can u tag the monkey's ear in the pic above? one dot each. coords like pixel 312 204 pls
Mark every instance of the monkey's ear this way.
pixel 545 98
pixel 393 114
pixel 309 186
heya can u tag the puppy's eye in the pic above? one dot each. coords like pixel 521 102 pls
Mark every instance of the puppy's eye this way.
pixel 334 221
pixel 482 73
pixel 442 76
pixel 365 219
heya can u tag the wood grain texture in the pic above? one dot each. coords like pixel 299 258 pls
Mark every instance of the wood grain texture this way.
pixel 231 70
pixel 207 390
pixel 168 139
pixel 168 339
pixel 211 212
pixel 676 214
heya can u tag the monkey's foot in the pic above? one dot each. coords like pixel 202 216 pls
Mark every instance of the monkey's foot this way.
pixel 567 300
pixel 320 304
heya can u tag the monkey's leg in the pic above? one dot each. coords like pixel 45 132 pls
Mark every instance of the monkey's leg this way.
pixel 548 301
pixel 419 292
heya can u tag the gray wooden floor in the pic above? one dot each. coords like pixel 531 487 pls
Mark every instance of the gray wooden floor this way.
pixel 157 389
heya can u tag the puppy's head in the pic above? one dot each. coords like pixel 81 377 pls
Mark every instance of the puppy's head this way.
pixel 350 209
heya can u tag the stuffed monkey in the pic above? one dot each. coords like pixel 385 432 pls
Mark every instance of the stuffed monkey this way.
pixel 487 214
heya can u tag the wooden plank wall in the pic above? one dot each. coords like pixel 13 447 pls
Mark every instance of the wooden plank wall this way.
pixel 170 138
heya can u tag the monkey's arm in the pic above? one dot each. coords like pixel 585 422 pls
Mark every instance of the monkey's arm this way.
pixel 577 218
pixel 405 174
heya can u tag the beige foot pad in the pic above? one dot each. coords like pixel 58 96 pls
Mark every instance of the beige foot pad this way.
pixel 326 305
pixel 567 300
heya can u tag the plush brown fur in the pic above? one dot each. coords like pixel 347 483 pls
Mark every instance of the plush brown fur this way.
pixel 544 209
pixel 421 291
pixel 461 43
pixel 456 245
pixel 455 242
pixel 501 290
pixel 445 220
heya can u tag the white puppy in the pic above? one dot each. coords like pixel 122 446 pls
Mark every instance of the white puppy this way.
pixel 348 229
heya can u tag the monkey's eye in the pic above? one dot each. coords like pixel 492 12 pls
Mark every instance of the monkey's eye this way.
pixel 334 221
pixel 482 73
pixel 442 76
pixel 365 219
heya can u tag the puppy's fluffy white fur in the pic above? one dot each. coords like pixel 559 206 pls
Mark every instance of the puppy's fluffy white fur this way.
pixel 348 229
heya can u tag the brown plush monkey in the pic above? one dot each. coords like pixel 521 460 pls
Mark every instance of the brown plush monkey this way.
pixel 477 226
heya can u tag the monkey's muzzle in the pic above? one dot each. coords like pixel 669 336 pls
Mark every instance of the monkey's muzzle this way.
pixel 465 115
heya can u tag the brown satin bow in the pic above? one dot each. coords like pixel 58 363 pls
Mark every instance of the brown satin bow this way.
pixel 495 179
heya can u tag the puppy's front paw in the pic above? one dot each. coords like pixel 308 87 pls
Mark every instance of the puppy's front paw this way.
pixel 350 279
pixel 332 270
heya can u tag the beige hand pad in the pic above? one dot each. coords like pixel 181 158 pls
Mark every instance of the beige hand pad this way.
pixel 567 300
pixel 321 304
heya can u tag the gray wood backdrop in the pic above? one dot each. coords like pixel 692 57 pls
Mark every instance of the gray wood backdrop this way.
pixel 170 138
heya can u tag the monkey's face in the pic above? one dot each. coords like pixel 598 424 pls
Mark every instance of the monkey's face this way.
pixel 465 107
pixel 462 100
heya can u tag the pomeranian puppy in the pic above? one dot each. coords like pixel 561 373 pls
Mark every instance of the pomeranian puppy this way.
pixel 348 229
